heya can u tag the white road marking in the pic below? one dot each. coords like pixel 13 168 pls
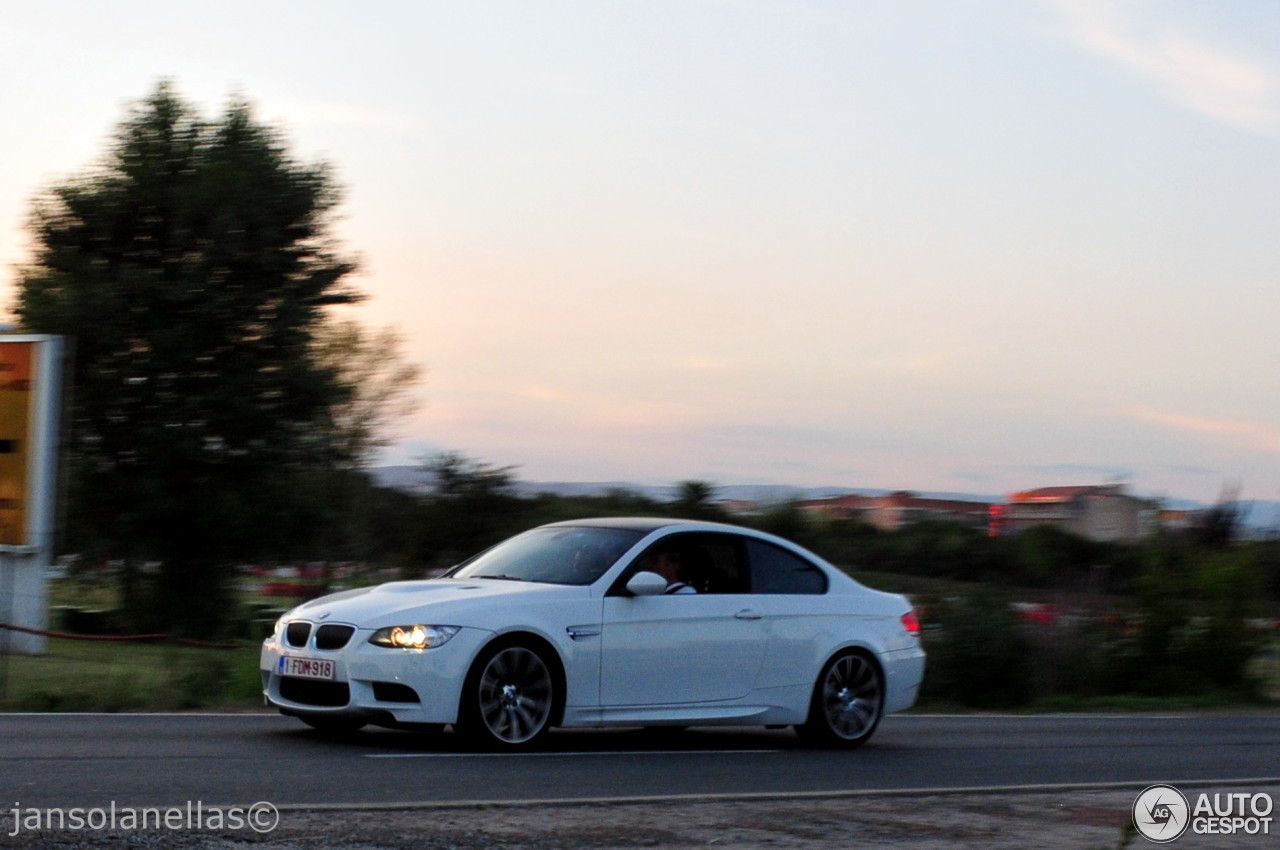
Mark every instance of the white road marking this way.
pixel 575 754
pixel 766 796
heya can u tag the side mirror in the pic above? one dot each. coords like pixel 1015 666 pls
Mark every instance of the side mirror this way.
pixel 647 584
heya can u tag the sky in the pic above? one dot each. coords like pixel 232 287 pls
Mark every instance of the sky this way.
pixel 977 246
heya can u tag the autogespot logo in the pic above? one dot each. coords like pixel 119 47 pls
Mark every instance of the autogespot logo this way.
pixel 1161 813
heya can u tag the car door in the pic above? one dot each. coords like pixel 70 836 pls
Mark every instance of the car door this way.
pixel 684 648
pixel 788 591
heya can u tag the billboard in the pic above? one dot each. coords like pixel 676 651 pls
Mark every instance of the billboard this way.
pixel 30 401
pixel 30 397
pixel 17 360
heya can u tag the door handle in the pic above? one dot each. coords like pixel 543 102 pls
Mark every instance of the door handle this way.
pixel 748 614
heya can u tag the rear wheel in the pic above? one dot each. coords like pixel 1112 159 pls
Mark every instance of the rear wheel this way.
pixel 510 698
pixel 847 703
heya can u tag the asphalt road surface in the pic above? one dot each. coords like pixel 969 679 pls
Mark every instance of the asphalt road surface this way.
pixel 92 760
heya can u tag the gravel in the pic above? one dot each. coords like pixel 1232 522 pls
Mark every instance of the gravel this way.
pixel 1044 819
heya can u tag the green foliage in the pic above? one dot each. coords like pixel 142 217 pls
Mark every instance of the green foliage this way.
pixel 786 521
pixel 1189 635
pixel 193 268
pixel 472 506
pixel 695 500
pixel 549 507
pixel 979 657
pixel 1192 629
pixel 377 387
pixel 934 548
pixel 1045 553
pixel 852 543
pixel 457 476
pixel 1267 558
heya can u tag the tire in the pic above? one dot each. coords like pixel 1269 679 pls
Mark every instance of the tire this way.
pixel 333 725
pixel 847 703
pixel 510 698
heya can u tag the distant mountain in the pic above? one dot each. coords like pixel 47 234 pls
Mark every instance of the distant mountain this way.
pixel 411 478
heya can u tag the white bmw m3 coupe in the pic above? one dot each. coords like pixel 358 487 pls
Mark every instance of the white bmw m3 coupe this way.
pixel 605 622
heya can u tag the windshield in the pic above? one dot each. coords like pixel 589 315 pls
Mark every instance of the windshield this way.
pixel 563 555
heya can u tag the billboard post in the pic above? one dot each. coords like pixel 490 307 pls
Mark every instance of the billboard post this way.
pixel 31 369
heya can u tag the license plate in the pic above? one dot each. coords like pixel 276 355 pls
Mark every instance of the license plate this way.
pixel 305 668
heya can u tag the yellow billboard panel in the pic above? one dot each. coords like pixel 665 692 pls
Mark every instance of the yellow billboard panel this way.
pixel 16 361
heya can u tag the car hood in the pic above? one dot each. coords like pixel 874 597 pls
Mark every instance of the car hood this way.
pixel 456 602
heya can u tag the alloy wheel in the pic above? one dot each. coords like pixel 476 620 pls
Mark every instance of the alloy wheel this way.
pixel 516 695
pixel 852 696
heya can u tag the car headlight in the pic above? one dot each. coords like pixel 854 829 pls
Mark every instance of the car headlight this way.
pixel 277 631
pixel 413 637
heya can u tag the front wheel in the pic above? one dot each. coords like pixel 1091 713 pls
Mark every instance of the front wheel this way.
pixel 510 698
pixel 847 703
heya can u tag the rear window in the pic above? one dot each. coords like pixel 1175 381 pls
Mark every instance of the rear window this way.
pixel 775 570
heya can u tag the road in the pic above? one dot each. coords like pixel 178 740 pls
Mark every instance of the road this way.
pixel 925 783
pixel 92 760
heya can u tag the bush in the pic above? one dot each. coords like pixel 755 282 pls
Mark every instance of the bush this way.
pixel 81 621
pixel 1192 632
pixel 978 656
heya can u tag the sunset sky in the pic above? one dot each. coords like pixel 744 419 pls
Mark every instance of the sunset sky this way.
pixel 979 246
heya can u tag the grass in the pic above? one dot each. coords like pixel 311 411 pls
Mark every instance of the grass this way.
pixel 111 676
pixel 77 675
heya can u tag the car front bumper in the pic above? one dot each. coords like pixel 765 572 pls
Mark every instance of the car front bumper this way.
pixel 404 686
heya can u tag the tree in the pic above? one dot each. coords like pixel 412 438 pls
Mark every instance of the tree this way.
pixel 193 268
pixel 456 476
pixel 343 512
pixel 378 382
pixel 472 505
pixel 695 499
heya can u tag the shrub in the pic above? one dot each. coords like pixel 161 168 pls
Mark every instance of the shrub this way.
pixel 978 656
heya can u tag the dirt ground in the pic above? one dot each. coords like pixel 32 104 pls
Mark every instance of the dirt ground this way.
pixel 1085 819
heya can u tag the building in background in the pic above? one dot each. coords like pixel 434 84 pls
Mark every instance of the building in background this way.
pixel 892 511
pixel 1103 513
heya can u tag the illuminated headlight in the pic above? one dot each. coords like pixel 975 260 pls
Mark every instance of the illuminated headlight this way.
pixel 278 631
pixel 413 637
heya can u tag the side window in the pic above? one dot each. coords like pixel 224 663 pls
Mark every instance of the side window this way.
pixel 709 563
pixel 775 570
pixel 718 565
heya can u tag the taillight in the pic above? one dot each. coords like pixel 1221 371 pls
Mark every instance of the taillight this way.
pixel 911 623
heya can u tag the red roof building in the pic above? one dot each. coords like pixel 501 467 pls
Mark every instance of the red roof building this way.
pixel 892 511
pixel 1102 513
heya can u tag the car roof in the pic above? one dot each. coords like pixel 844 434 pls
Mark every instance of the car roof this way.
pixel 648 524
